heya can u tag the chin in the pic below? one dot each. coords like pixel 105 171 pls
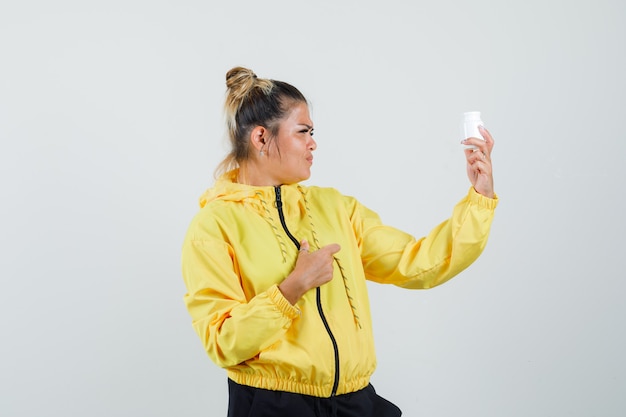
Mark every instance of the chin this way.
pixel 298 178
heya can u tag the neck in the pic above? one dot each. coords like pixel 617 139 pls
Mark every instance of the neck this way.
pixel 252 174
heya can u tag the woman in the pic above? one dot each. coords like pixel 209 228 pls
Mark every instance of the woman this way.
pixel 276 271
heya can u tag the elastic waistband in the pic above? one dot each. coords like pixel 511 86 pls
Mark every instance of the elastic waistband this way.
pixel 248 401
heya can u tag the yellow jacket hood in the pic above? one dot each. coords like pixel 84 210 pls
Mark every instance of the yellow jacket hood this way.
pixel 227 189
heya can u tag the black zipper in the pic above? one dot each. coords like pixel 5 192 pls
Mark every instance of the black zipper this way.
pixel 320 310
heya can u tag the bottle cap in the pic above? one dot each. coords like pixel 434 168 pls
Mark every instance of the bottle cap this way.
pixel 472 115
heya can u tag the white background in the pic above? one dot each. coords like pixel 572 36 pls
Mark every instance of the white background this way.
pixel 111 126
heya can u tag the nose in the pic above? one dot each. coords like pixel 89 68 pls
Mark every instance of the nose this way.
pixel 312 144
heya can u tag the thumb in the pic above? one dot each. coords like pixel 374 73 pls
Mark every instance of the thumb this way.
pixel 304 245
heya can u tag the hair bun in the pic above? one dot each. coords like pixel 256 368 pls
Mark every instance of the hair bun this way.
pixel 242 83
pixel 240 80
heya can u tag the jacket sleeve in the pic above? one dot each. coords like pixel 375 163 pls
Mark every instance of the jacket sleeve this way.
pixel 394 257
pixel 232 328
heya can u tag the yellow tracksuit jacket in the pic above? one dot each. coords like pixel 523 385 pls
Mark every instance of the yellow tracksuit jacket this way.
pixel 244 242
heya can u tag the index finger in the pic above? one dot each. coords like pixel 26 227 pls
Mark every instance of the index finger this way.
pixel 487 136
pixel 331 249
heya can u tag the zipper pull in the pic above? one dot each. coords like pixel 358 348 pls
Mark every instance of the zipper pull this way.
pixel 279 201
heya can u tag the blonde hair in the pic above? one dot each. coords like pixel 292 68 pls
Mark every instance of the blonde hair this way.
pixel 250 102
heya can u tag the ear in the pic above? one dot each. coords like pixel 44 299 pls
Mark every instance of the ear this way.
pixel 258 138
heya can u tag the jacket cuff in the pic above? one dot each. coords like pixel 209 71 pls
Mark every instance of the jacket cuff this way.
pixel 479 199
pixel 282 304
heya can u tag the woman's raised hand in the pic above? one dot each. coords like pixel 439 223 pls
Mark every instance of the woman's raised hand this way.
pixel 479 168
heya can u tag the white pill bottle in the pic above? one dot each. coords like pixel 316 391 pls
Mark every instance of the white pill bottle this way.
pixel 469 129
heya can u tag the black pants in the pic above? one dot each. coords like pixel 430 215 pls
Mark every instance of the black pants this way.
pixel 245 401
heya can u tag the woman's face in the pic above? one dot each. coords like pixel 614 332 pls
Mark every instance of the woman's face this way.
pixel 290 154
